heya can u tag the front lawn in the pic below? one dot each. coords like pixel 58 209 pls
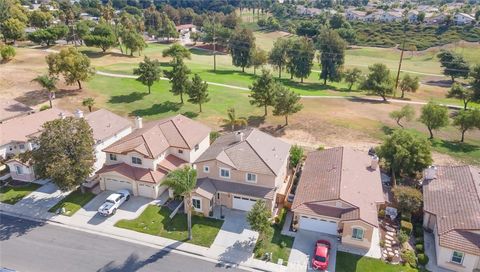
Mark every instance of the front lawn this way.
pixel 12 194
pixel 155 220
pixel 73 202
pixel 347 262
pixel 280 245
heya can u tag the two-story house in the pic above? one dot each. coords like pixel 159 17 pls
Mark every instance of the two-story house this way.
pixel 140 161
pixel 240 168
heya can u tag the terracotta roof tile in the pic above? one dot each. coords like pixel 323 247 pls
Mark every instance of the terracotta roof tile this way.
pixel 135 173
pixel 237 188
pixel 171 162
pixel 106 124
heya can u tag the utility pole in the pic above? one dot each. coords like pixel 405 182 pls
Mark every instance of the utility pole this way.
pixel 401 58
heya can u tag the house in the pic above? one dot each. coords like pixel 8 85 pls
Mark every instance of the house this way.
pixel 240 168
pixel 435 18
pixel 140 161
pixel 463 19
pixel 451 207
pixel 10 109
pixel 390 16
pixel 412 16
pixel 355 15
pixel 339 193
pixel 302 10
pixel 107 127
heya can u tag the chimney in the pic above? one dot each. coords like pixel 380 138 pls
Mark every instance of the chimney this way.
pixel 79 113
pixel 61 115
pixel 431 172
pixel 374 163
pixel 138 122
pixel 239 136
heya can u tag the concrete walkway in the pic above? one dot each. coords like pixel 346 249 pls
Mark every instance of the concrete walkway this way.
pixel 429 243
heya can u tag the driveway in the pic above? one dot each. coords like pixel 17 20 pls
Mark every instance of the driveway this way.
pixel 302 250
pixel 235 240
pixel 128 210
pixel 40 201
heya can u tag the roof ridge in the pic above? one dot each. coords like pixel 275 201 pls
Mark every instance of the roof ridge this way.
pixel 275 174
pixel 470 170
pixel 181 135
pixel 341 171
pixel 146 145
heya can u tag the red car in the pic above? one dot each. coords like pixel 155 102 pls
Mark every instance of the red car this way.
pixel 321 255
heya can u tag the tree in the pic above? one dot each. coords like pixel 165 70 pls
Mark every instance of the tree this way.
pixel 232 120
pixel 73 65
pixel 467 120
pixel 286 102
pixel 48 35
pixel 89 102
pixel 133 41
pixel 259 219
pixel 65 152
pixel 148 72
pixel 7 52
pixel 178 79
pixel 406 112
pixel 408 199
pixel 183 182
pixel 102 36
pixel 278 57
pixel 177 52
pixel 421 16
pixel 198 91
pixel 12 29
pixel 263 91
pixel 475 82
pixel 459 92
pixel 454 64
pixel 241 46
pixel 167 29
pixel 332 54
pixel 409 84
pixel 301 55
pixel 296 155
pixel 40 19
pixel 259 58
pixel 352 76
pixel 405 153
pixel 378 81
pixel 434 116
pixel 48 83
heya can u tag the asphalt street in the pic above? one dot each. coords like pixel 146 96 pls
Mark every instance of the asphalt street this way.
pixel 32 246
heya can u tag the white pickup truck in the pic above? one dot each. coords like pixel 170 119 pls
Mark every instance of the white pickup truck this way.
pixel 114 201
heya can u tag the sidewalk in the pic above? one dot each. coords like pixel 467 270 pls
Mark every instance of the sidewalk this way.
pixel 25 211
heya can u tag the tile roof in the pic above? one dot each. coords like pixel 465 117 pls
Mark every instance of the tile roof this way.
pixel 258 152
pixel 19 129
pixel 171 162
pixel 135 173
pixel 454 197
pixel 106 124
pixel 341 174
pixel 208 184
pixel 155 137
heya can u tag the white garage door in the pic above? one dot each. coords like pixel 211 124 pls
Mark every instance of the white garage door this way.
pixel 318 225
pixel 243 203
pixel 115 185
pixel 146 190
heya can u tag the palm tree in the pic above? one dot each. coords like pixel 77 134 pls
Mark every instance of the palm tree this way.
pixel 47 82
pixel 183 181
pixel 88 102
pixel 232 119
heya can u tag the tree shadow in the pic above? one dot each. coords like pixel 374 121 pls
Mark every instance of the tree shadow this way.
pixel 164 107
pixel 444 83
pixel 307 86
pixel 200 51
pixel 455 146
pixel 255 121
pixel 96 54
pixel 127 98
pixel 15 227
pixel 35 97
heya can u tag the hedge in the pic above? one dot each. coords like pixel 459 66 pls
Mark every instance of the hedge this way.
pixel 419 248
pixel 422 259
pixel 406 227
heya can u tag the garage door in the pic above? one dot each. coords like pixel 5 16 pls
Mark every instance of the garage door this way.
pixel 146 190
pixel 115 185
pixel 318 225
pixel 243 203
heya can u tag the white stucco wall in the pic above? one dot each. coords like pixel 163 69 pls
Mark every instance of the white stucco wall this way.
pixel 444 256
pixel 100 156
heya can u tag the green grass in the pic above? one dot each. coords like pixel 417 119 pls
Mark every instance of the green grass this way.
pixel 347 262
pixel 275 246
pixel 11 195
pixel 73 202
pixel 468 152
pixel 156 221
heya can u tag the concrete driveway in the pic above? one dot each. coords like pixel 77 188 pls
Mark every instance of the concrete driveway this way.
pixel 40 201
pixel 303 247
pixel 128 210
pixel 235 240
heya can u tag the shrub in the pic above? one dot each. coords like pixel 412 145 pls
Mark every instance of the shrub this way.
pixel 381 214
pixel 422 259
pixel 214 135
pixel 418 231
pixel 296 154
pixel 419 248
pixel 7 52
pixel 382 243
pixel 419 240
pixel 408 256
pixel 44 107
pixel 402 237
pixel 406 227
pixel 283 244
pixel 406 217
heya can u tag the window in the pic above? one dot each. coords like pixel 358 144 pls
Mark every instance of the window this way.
pixel 224 173
pixel 113 157
pixel 180 151
pixel 136 160
pixel 251 177
pixel 457 257
pixel 197 204
pixel 19 169
pixel 196 147
pixel 206 169
pixel 21 146
pixel 218 195
pixel 357 234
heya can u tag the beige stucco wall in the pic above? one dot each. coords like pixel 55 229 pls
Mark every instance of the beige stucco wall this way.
pixel 157 189
pixel 28 173
pixel 100 156
pixel 348 230
pixel 429 221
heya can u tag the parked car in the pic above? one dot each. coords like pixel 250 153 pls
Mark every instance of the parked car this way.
pixel 321 255
pixel 114 201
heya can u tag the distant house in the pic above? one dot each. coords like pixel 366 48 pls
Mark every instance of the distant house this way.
pixel 339 193
pixel 412 16
pixel 140 161
pixel 463 19
pixel 355 15
pixel 452 212
pixel 373 16
pixel 302 10
pixel 184 31
pixel 390 16
pixel 435 18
